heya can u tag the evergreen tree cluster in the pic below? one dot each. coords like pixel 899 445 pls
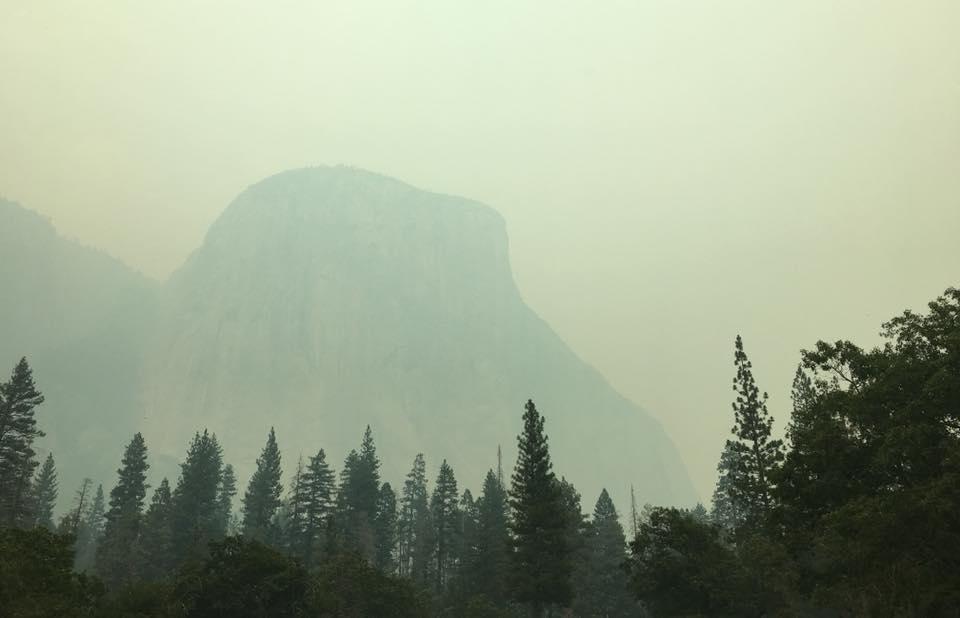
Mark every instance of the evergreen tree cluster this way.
pixel 854 514
pixel 506 550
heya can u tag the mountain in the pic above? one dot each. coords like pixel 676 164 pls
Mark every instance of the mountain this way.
pixel 80 317
pixel 322 300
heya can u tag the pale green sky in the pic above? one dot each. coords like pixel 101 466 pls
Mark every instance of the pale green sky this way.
pixel 671 172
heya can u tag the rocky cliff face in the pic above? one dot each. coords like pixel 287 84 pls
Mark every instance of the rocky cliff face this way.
pixel 321 301
pixel 325 299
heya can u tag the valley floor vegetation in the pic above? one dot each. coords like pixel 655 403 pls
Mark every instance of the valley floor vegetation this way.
pixel 855 513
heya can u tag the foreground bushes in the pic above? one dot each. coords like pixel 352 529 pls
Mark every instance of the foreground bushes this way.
pixel 238 579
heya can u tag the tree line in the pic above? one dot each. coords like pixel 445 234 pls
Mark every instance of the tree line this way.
pixel 855 512
pixel 521 547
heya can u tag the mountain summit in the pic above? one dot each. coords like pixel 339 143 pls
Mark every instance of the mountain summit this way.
pixel 326 299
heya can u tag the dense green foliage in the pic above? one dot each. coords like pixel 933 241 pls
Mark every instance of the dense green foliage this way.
pixel 239 578
pixel 861 513
pixel 37 578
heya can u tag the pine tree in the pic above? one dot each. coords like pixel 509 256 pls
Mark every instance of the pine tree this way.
pixel 603 588
pixel 157 547
pixel 196 516
pixel 97 516
pixel 385 525
pixel 294 512
pixel 405 519
pixel 262 499
pixel 753 456
pixel 541 569
pixel 18 430
pixel 416 529
pixel 318 507
pixel 45 494
pixel 443 506
pixel 115 561
pixel 465 553
pixel 366 493
pixel 486 573
pixel 70 524
pixel 577 531
pixel 370 482
pixel 91 526
pixel 343 522
pixel 357 499
pixel 225 494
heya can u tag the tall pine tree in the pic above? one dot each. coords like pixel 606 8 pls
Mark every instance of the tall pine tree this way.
pixel 18 430
pixel 157 547
pixel 541 568
pixel 293 512
pixel 225 494
pixel 603 589
pixel 444 508
pixel 577 527
pixel 466 550
pixel 486 573
pixel 385 525
pixel 196 516
pixel 70 522
pixel 115 562
pixel 416 528
pixel 343 527
pixel 357 500
pixel 318 507
pixel 262 499
pixel 90 531
pixel 45 494
pixel 753 456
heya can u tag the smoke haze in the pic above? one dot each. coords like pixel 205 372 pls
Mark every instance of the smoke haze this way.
pixel 670 173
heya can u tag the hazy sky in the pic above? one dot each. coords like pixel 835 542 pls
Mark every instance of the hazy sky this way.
pixel 672 172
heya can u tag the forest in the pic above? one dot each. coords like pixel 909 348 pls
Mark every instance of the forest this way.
pixel 855 511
